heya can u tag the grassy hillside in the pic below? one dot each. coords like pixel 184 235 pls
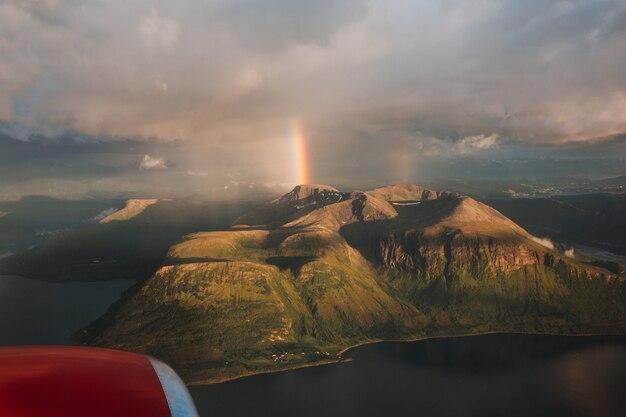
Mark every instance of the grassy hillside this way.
pixel 247 301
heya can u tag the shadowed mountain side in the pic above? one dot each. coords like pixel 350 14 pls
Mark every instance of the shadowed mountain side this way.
pixel 31 220
pixel 118 248
pixel 597 220
pixel 348 268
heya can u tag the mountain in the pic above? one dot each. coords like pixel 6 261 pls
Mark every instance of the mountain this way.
pixel 297 281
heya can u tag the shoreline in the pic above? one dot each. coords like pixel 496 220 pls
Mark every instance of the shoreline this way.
pixel 221 380
pixel 503 332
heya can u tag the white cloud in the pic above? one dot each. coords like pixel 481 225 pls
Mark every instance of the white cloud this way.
pixel 533 71
pixel 470 144
pixel 149 162
pixel 544 241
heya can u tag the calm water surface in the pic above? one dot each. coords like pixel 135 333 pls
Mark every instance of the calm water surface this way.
pixel 490 375
pixel 34 312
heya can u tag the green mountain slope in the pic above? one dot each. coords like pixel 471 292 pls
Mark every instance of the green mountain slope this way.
pixel 318 270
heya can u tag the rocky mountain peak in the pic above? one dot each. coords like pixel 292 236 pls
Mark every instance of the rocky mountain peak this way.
pixel 305 191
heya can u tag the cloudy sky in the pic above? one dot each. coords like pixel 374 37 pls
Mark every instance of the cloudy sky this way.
pixel 380 88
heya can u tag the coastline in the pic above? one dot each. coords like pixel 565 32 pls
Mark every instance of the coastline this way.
pixel 220 380
pixel 503 332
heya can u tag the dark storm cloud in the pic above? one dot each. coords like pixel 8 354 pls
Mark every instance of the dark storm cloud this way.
pixel 271 25
pixel 376 81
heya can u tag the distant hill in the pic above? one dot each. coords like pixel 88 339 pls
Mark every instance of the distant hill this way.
pixel 133 208
pixel 537 187
pixel 591 219
pixel 129 243
pixel 27 222
pixel 318 270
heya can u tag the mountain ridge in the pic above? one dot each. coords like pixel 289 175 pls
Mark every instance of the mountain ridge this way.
pixel 297 281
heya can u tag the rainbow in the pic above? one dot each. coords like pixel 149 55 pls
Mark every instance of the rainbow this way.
pixel 300 157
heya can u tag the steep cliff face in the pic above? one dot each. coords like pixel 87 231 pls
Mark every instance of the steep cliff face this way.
pixel 442 255
pixel 448 254
pixel 319 270
pixel 444 235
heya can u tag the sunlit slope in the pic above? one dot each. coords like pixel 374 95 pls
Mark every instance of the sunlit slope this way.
pixel 133 208
pixel 328 270
pixel 234 299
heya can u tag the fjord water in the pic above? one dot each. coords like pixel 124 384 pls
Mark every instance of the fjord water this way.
pixel 498 374
pixel 34 312
pixel 488 375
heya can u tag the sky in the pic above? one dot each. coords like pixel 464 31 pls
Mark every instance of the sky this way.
pixel 380 90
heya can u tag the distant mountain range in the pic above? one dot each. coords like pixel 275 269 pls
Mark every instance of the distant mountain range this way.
pixel 531 187
pixel 296 281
